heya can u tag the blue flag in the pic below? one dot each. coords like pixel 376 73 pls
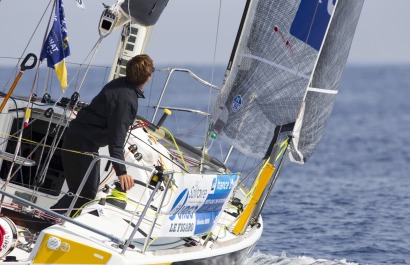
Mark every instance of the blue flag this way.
pixel 56 47
pixel 311 21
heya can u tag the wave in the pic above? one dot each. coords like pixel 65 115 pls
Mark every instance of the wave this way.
pixel 259 258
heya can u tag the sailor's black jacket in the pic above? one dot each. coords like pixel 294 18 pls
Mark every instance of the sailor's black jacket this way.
pixel 106 120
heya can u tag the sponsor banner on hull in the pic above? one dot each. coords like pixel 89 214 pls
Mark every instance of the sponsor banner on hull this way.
pixel 197 204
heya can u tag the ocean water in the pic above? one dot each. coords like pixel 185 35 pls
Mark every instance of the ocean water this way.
pixel 350 203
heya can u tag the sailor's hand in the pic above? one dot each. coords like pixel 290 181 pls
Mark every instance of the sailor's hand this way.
pixel 127 182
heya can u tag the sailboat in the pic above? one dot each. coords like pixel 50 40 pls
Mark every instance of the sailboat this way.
pixel 187 207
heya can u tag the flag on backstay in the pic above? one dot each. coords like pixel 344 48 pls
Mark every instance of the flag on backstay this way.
pixel 56 47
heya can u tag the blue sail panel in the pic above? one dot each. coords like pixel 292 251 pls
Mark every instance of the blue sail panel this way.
pixel 311 21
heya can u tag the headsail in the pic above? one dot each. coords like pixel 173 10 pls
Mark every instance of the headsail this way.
pixel 276 57
pixel 323 88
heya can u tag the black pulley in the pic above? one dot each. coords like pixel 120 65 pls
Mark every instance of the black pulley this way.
pixel 74 98
pixel 46 98
pixel 49 112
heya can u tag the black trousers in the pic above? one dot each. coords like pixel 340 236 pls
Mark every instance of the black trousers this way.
pixel 75 165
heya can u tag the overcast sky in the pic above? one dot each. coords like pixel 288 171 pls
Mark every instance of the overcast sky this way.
pixel 186 31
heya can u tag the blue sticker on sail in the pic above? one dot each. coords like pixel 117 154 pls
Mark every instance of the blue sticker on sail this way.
pixel 237 102
pixel 311 21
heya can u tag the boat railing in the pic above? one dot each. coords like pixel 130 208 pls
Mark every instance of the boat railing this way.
pixel 171 72
pixel 63 217
pixel 88 172
pixel 157 176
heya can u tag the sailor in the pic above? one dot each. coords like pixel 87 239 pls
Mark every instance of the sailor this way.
pixel 105 121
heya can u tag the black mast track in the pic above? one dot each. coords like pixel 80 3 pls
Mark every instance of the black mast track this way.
pixel 238 35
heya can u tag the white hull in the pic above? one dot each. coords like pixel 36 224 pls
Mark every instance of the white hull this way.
pixel 104 228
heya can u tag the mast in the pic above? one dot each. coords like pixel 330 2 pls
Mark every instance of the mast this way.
pixel 131 43
pixel 136 18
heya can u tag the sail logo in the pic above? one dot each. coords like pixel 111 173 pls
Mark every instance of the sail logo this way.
pixel 311 21
pixel 236 103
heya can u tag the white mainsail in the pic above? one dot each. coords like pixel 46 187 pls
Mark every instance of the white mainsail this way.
pixel 277 55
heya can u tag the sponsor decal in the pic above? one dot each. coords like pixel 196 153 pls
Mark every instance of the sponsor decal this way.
pixel 236 103
pixel 179 203
pixel 198 204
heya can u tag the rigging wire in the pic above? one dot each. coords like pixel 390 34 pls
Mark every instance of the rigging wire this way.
pixel 207 127
pixel 64 119
pixel 35 81
pixel 93 52
pixel 150 95
pixel 29 41
pixel 34 86
pixel 46 83
pixel 18 145
pixel 62 122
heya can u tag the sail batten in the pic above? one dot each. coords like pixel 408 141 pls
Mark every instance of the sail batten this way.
pixel 322 90
pixel 282 67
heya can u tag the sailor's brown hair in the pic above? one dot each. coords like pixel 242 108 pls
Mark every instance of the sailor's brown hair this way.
pixel 139 69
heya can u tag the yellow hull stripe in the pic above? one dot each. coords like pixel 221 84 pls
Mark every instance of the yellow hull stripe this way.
pixel 69 252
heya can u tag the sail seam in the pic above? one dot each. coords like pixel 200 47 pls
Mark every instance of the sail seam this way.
pixel 276 65
pixel 322 90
